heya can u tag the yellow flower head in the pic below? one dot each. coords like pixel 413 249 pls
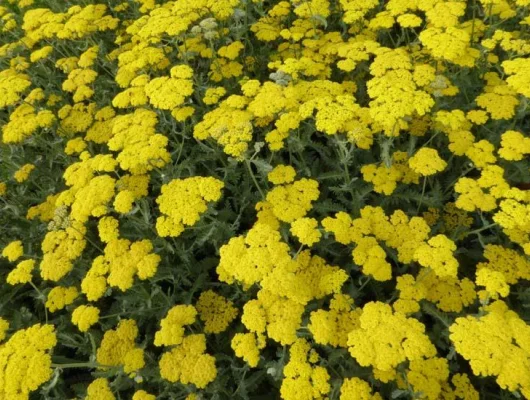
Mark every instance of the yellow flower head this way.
pixel 143 395
pixel 25 361
pixel 356 388
pixel 172 326
pixel 182 201
pixel 247 346
pixel 282 174
pixel 117 344
pixel 99 389
pixel 427 162
pixel 386 339
pixel 22 174
pixel 13 251
pixel 188 363
pixel 60 297
pixel 4 326
pixel 437 254
pixel 215 311
pixel 22 273
pixel 85 316
pixel 306 230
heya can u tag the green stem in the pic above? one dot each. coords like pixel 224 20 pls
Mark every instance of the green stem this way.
pixel 298 252
pixel 77 365
pixel 422 194
pixel 365 283
pixel 430 139
pixel 86 238
pixel 42 297
pixel 482 229
pixel 432 311
pixel 130 312
pixel 247 163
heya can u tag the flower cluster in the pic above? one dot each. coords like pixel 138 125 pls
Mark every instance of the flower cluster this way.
pixel 117 267
pixel 118 348
pixel 503 356
pixel 384 339
pixel 182 201
pixel 25 361
pixel 296 199
pixel 187 362
pixel 303 379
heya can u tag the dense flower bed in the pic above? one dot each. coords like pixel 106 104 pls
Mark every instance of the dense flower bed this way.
pixel 262 199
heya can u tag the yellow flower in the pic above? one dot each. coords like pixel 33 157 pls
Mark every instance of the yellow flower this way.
pixel 450 44
pixel 188 363
pixel 494 283
pixel 428 376
pixel 86 60
pixel 22 174
pixel 294 200
pixel 463 387
pixel 409 21
pixel 12 85
pixel 85 316
pixel 265 215
pixel 108 228
pixel 25 361
pixel 249 259
pixel 123 201
pixel 393 91
pixel 372 257
pixel 140 148
pixel 481 153
pixel 427 162
pixel 386 339
pixel 22 273
pixel 303 380
pixel 4 326
pixel 232 50
pixel 503 356
pixel 99 389
pixel 182 201
pixel 212 95
pixel 61 247
pixel 383 178
pixel 92 199
pixel 228 126
pixel 121 262
pixel 437 254
pixel 167 93
pixel 13 251
pixel 514 146
pixel 509 262
pixel 133 360
pixel 478 117
pixel 448 293
pixel 247 347
pixel 172 326
pixel 518 75
pixel 306 230
pixel 332 327
pixel 60 297
pixel 75 146
pixel 215 311
pixel 143 395
pixel 116 346
pixel 281 174
pixel 357 389
pixel 280 317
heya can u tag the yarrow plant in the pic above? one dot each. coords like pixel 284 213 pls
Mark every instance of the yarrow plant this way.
pixel 250 199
